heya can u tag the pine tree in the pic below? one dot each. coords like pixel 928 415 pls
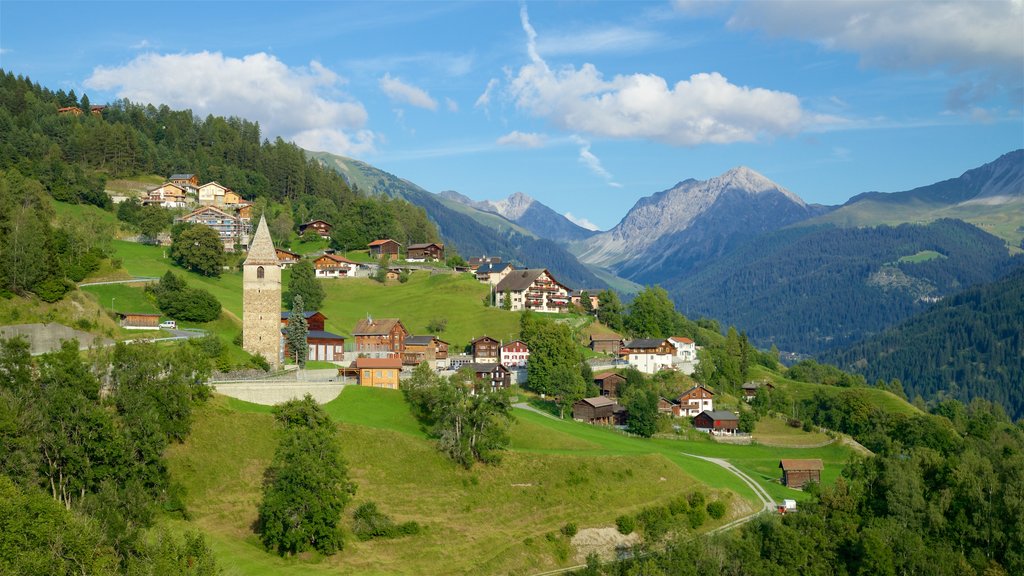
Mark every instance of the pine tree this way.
pixel 296 332
pixel 304 283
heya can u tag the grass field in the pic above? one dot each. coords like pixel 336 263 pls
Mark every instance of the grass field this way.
pixel 804 391
pixel 922 256
pixel 776 432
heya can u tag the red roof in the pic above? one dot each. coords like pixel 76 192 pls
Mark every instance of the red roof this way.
pixel 378 363
pixel 381 242
pixel 682 339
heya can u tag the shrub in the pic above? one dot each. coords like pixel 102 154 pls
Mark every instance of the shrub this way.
pixel 678 506
pixel 655 522
pixel 625 524
pixel 569 529
pixel 258 361
pixel 696 499
pixel 368 522
pixel 716 509
pixel 697 516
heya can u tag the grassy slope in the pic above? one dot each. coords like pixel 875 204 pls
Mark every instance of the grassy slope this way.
pixel 803 390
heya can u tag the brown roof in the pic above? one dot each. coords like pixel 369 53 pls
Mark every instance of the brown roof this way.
pixel 599 401
pixel 378 363
pixel 604 375
pixel 424 245
pixel 484 337
pixel 371 327
pixel 794 464
pixel 382 242
pixel 518 280
pixel 337 258
pixel 682 339
pixel 594 337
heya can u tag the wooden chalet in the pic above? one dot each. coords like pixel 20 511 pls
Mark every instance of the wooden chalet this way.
pixel 232 198
pixel 69 111
pixel 374 372
pixel 694 401
pixel 286 258
pixel 797 473
pixel 486 350
pixel 167 195
pixel 139 321
pixel 648 355
pixel 383 247
pixel 431 251
pixel 491 374
pixel 599 410
pixel 185 180
pixel 231 229
pixel 322 228
pixel 718 421
pixel 334 266
pixel 606 343
pixel 609 383
pixel 382 338
pixel 430 349
pixel 97 110
pixel 666 406
pixel 212 194
pixel 322 345
pixel 750 389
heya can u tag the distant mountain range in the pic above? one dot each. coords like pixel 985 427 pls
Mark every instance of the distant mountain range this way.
pixel 528 213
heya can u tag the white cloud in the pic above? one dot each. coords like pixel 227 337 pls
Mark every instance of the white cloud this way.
pixel 522 139
pixel 593 163
pixel 580 221
pixel 142 44
pixel 453 106
pixel 300 104
pixel 485 99
pixel 706 108
pixel 610 39
pixel 407 93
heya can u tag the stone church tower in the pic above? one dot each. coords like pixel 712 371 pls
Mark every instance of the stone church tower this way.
pixel 261 298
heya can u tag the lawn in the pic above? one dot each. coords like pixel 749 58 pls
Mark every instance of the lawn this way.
pixel 804 391
pixel 775 431
pixel 922 256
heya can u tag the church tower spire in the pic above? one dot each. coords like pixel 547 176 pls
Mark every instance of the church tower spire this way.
pixel 261 297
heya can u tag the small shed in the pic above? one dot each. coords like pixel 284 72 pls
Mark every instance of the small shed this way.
pixel 609 383
pixel 139 321
pixel 606 343
pixel 385 246
pixel 596 410
pixel 796 473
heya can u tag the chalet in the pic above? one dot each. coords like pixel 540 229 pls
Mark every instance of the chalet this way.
pixel 609 383
pixel 797 473
pixel 491 374
pixel 381 338
pixel 475 263
pixel 167 195
pixel 97 110
pixel 374 372
pixel 648 355
pixel 431 251
pixel 666 406
pixel 139 321
pixel 717 421
pixel 393 274
pixel 243 210
pixel 599 410
pixel 486 350
pixel 515 354
pixel 685 348
pixel 694 401
pixel 232 198
pixel 212 194
pixel 429 349
pixel 185 180
pixel 69 111
pixel 334 266
pixel 286 258
pixel 606 343
pixel 384 247
pixel 322 345
pixel 533 289
pixel 750 389
pixel 231 229
pixel 493 273
pixel 577 298
pixel 322 228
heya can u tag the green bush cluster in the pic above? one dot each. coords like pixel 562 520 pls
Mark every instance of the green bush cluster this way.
pixel 368 522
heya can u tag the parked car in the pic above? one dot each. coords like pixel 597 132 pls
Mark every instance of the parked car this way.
pixel 169 324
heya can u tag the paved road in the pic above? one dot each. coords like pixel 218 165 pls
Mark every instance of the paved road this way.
pixel 759 491
pixel 526 406
pixel 134 280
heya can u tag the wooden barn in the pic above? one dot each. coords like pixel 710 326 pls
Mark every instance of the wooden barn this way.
pixel 609 383
pixel 383 247
pixel 797 473
pixel 491 374
pixel 431 251
pixel 599 410
pixel 606 343
pixel 719 421
pixel 139 321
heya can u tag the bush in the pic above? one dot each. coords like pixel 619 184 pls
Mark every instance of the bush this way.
pixel 696 499
pixel 678 506
pixel 655 522
pixel 368 522
pixel 210 345
pixel 258 361
pixel 716 509
pixel 697 516
pixel 625 524
pixel 569 529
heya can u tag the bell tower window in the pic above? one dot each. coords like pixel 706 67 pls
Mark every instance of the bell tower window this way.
pixel 259 272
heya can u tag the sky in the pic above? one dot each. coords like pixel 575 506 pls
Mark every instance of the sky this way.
pixel 585 106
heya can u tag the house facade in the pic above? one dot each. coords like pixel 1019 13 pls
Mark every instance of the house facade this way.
pixel 606 343
pixel 533 289
pixel 486 350
pixel 577 298
pixel 797 473
pixel 167 195
pixel 429 252
pixel 185 180
pixel 231 229
pixel 212 194
pixel 429 349
pixel 380 338
pixel 322 228
pixel 685 348
pixel 384 247
pixel 666 406
pixel 491 374
pixel 600 410
pixel 378 372
pixel 287 259
pixel 647 355
pixel 515 354
pixel 717 421
pixel 609 383
pixel 475 263
pixel 694 401
pixel 493 273
pixel 334 266
pixel 321 344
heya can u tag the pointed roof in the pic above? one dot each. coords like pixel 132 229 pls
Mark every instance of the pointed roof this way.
pixel 261 250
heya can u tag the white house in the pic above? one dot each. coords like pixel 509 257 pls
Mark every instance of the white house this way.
pixel 694 401
pixel 212 194
pixel 533 289
pixel 686 349
pixel 648 355
pixel 515 354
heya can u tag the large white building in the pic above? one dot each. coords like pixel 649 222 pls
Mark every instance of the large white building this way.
pixel 532 289
pixel 648 355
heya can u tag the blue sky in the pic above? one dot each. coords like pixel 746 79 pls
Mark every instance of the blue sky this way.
pixel 586 106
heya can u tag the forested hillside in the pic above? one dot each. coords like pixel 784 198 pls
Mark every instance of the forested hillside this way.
pixel 69 157
pixel 969 345
pixel 814 289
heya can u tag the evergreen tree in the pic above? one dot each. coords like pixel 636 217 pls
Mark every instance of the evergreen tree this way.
pixel 609 310
pixel 304 283
pixel 297 331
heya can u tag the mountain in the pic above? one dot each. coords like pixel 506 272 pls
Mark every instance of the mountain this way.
pixel 473 232
pixel 676 231
pixel 966 346
pixel 528 213
pixel 990 196
pixel 810 289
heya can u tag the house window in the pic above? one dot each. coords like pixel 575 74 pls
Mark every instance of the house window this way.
pixel 259 272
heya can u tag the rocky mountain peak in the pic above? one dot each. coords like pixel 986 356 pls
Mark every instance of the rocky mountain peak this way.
pixel 512 207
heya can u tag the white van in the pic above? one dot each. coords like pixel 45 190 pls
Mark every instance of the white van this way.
pixel 169 324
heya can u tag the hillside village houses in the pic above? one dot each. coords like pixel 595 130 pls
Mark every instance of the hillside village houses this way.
pixel 323 345
pixel 231 229
pixel 648 355
pixel 167 195
pixel 384 247
pixel 425 252
pixel 334 266
pixel 533 289
pixel 694 401
pixel 609 383
pixel 606 343
pixel 493 273
pixel 515 354
pixel 429 349
pixel 380 338
pixel 322 228
pixel 486 350
pixel 287 258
